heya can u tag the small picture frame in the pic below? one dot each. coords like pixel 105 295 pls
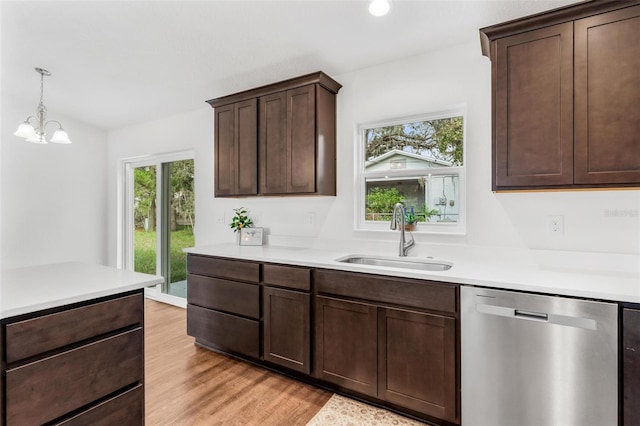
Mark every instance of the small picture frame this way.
pixel 251 237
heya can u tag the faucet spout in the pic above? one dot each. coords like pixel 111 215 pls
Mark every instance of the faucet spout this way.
pixel 404 245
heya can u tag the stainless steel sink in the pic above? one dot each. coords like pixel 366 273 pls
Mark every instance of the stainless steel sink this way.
pixel 396 262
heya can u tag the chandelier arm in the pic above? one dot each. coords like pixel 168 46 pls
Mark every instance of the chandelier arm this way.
pixel 54 121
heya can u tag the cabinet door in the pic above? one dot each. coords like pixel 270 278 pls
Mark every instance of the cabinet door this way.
pixel 225 150
pixel 533 108
pixel 236 149
pixel 247 143
pixel 288 142
pixel 301 140
pixel 607 98
pixel 286 328
pixel 273 149
pixel 346 344
pixel 631 366
pixel 417 362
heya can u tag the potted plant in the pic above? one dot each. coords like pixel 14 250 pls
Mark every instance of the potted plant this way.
pixel 240 220
pixel 410 220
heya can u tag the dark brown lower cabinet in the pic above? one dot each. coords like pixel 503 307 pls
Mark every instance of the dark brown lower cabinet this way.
pixel 223 304
pixel 346 343
pixel 404 357
pixel 417 361
pixel 75 366
pixel 286 328
pixel 631 366
pixel 390 340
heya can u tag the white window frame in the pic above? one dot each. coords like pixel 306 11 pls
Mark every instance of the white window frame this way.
pixel 360 176
pixel 125 214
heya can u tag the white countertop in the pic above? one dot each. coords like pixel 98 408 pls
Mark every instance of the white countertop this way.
pixel 467 269
pixel 31 289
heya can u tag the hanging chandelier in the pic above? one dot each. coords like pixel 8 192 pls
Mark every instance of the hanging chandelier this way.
pixel 37 134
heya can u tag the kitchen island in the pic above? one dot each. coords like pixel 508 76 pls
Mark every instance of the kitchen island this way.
pixel 72 344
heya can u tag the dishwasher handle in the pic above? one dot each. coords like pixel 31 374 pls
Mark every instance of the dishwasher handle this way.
pixel 536 316
pixel 512 312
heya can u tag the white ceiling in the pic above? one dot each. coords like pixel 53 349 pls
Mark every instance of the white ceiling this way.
pixel 116 63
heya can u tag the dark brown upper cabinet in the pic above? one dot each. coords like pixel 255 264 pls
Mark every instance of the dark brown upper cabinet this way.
pixel 285 145
pixel 566 91
pixel 607 98
pixel 235 149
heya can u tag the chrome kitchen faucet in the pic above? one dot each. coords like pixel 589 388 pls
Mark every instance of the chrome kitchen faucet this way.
pixel 404 246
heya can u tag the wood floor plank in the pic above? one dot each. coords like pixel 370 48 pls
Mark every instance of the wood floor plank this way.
pixel 188 385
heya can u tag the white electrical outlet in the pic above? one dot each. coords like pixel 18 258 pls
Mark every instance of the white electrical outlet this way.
pixel 220 218
pixel 555 225
pixel 256 218
pixel 311 218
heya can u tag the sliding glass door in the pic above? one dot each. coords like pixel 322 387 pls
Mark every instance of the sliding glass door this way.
pixel 159 218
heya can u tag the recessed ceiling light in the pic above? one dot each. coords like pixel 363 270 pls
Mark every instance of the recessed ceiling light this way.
pixel 379 7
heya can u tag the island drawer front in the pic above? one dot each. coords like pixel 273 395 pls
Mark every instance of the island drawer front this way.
pixel 47 389
pixel 408 292
pixel 223 331
pixel 287 276
pixel 228 296
pixel 45 333
pixel 124 409
pixel 223 268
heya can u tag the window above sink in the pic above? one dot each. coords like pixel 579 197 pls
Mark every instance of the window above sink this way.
pixel 418 161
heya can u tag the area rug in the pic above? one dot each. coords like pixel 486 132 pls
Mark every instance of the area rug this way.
pixel 341 411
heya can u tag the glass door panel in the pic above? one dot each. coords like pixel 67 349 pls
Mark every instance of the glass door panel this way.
pixel 144 219
pixel 178 223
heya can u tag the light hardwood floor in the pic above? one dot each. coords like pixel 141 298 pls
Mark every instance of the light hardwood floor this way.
pixel 188 385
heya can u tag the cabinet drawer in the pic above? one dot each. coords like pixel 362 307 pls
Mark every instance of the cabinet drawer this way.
pixel 287 276
pixel 223 268
pixel 38 335
pixel 224 331
pixel 42 391
pixel 124 409
pixel 401 291
pixel 228 296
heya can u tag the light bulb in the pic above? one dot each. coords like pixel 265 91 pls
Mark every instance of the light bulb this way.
pixel 379 7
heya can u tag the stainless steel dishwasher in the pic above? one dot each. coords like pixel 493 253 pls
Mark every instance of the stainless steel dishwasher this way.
pixel 532 360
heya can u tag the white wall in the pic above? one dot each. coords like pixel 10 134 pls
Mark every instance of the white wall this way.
pixel 595 221
pixel 53 197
